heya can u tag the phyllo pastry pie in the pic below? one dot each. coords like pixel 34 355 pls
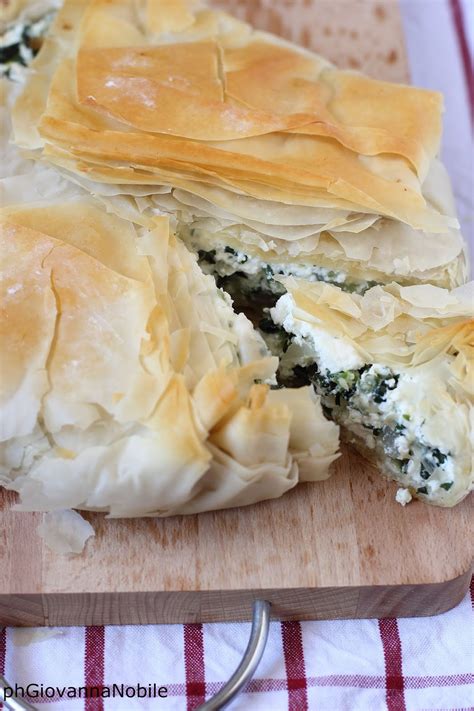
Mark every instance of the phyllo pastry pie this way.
pixel 129 385
pixel 313 196
pixel 395 368
pixel 269 160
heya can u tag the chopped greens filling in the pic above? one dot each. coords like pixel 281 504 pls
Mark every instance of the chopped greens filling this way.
pixel 276 338
pixel 357 399
pixel 249 277
pixel 21 43
pixel 361 401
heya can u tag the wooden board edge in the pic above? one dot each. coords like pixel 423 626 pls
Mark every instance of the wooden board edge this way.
pixel 138 608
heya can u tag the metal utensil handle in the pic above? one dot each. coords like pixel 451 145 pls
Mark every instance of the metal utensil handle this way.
pixel 250 660
pixel 13 704
pixel 241 676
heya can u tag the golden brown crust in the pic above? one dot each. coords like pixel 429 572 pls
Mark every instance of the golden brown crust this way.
pixel 235 106
pixel 129 378
pixel 373 118
pixel 27 322
pixel 130 84
pixel 170 15
pixel 274 78
pixel 266 164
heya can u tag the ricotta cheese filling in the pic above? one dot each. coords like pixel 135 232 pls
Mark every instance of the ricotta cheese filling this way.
pixel 245 277
pixel 376 404
pixel 364 401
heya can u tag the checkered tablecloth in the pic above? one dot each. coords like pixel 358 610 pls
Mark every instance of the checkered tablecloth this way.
pixel 423 664
pixel 365 665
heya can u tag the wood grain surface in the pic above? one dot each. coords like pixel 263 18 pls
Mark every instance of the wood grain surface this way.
pixel 354 34
pixel 341 548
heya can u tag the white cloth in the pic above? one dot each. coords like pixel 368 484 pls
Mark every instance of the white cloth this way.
pixel 420 664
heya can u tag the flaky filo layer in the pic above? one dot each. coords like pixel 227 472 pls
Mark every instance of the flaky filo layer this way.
pixel 129 385
pixel 204 101
pixel 365 247
pixel 358 247
pixel 395 367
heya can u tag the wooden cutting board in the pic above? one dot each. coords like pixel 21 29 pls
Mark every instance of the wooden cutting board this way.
pixel 342 548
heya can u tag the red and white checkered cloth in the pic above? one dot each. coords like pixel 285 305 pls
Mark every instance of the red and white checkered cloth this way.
pixel 423 664
pixel 365 665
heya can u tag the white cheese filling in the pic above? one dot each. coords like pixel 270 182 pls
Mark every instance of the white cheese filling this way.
pixel 333 353
pixel 401 415
pixel 223 260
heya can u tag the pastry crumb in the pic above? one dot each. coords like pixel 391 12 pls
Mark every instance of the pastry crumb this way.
pixel 403 497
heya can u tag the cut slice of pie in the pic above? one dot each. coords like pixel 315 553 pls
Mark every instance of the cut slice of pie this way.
pixel 395 368
pixel 282 174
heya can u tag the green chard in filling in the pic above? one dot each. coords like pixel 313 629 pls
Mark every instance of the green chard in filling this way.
pixel 20 43
pixel 361 401
pixel 249 279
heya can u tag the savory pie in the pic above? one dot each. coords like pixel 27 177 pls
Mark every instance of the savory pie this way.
pixel 129 384
pixel 395 368
pixel 315 198
pixel 268 158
